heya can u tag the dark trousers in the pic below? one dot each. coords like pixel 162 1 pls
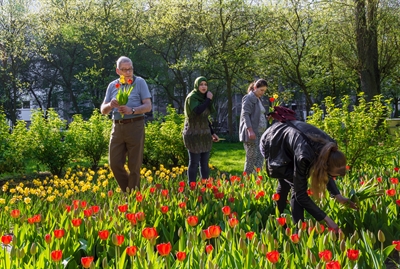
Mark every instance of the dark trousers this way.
pixel 196 159
pixel 283 189
pixel 127 140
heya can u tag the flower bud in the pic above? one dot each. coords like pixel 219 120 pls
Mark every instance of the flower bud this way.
pixel 286 247
pixel 381 236
pixel 333 236
pixel 242 234
pixel 326 240
pixel 180 231
pixel 20 253
pixel 341 235
pixel 288 232
pixel 104 263
pixel 13 252
pixel 34 249
pixel 343 246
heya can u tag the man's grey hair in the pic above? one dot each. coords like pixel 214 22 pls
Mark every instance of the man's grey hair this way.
pixel 123 59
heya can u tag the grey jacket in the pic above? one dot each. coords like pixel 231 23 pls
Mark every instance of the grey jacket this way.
pixel 249 116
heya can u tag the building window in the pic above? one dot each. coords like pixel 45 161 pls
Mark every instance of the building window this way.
pixel 26 104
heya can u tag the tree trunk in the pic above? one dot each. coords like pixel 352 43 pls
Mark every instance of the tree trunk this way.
pixel 367 47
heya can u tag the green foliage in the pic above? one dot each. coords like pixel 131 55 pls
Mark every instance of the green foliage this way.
pixel 359 130
pixel 51 144
pixel 92 136
pixel 13 146
pixel 164 142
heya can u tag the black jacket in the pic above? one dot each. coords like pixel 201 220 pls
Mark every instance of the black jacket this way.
pixel 290 156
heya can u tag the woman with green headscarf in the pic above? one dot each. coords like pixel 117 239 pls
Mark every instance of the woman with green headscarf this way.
pixel 198 134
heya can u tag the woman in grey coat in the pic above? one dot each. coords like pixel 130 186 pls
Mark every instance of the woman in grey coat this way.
pixel 253 123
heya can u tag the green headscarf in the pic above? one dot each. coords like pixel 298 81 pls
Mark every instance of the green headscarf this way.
pixel 195 98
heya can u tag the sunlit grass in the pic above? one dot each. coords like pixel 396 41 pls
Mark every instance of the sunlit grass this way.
pixel 228 157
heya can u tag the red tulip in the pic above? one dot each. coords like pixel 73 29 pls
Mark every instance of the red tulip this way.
pixel 95 209
pixel 56 255
pixel 396 169
pixel 273 256
pixel 110 193
pixel 214 230
pixel 131 217
pixel 276 197
pixel 164 248
pixel 325 255
pixel 207 234
pixel 295 238
pixel 149 233
pixel 131 250
pixel 379 179
pixel 103 234
pixel 391 192
pixel 304 225
pixel 281 221
pixel 83 204
pixel 209 249
pixel 226 210
pixel 76 222
pixel 192 220
pixel 164 209
pixel 233 222
pixel 164 193
pixel 118 239
pixel 394 180
pixel 398 202
pixel 123 208
pixel 397 243
pixel 152 190
pixel 47 238
pixel 75 203
pixel 259 195
pixel 139 197
pixel 181 256
pixel 117 85
pixel 271 99
pixel 352 254
pixel 250 235
pixel 333 265
pixel 86 261
pixel 6 239
pixel 182 205
pixel 140 216
pixel 15 213
pixel 59 233
pixel 68 208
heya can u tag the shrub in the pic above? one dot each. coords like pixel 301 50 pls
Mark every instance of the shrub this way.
pixel 13 146
pixel 51 144
pixel 359 130
pixel 92 136
pixel 164 142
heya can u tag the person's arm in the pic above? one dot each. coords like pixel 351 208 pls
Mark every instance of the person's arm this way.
pixel 332 188
pixel 200 108
pixel 247 108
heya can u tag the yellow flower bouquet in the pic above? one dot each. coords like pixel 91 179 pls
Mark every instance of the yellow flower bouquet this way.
pixel 125 89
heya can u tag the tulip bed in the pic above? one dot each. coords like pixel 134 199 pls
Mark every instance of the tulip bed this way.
pixel 84 221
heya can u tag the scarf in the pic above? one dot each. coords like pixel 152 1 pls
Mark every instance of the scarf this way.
pixel 196 98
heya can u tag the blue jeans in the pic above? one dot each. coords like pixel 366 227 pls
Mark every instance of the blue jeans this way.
pixel 194 160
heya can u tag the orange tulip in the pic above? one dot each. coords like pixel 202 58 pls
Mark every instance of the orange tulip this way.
pixel 6 239
pixel 131 250
pixel 214 230
pixel 226 210
pixel 325 255
pixel 103 234
pixel 192 220
pixel 15 213
pixel 76 222
pixel 59 233
pixel 181 256
pixel 209 249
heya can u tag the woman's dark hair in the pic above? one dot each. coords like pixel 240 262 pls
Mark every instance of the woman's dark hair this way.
pixel 257 84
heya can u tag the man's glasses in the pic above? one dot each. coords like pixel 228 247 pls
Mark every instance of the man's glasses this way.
pixel 126 69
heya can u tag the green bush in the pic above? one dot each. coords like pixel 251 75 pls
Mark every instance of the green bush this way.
pixel 13 146
pixel 51 143
pixel 92 136
pixel 360 130
pixel 164 142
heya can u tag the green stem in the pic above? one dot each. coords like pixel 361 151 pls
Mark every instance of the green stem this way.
pixel 116 257
pixel 5 257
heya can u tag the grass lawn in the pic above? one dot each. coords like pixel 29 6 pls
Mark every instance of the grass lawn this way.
pixel 228 157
